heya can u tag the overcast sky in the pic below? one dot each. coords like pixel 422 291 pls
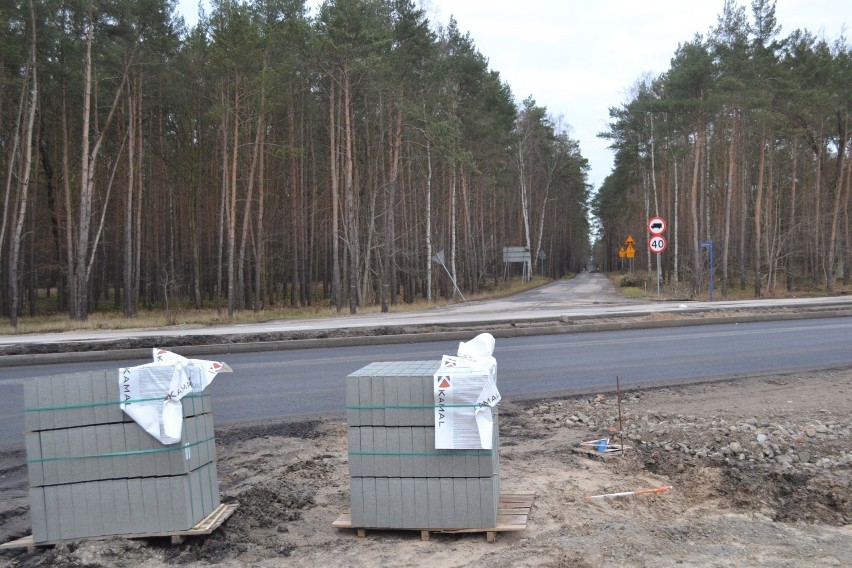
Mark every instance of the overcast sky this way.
pixel 578 58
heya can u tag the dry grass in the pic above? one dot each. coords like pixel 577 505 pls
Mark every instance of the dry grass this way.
pixel 641 286
pixel 115 320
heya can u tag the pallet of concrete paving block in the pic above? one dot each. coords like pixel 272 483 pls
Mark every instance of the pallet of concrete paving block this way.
pixel 204 527
pixel 136 505
pixel 512 515
pixel 83 399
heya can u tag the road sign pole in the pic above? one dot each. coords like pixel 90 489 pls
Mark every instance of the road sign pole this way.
pixel 659 277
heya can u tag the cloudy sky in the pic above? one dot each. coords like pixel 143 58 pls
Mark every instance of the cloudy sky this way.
pixel 578 58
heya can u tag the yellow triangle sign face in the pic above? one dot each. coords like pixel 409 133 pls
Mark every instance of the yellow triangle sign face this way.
pixel 630 240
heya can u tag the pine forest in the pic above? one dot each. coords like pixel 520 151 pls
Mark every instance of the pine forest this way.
pixel 359 154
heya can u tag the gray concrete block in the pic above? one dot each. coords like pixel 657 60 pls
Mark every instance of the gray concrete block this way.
pixel 409 518
pixel 368 461
pixel 461 518
pixel 136 506
pixel 353 439
pixel 61 448
pixel 32 416
pixel 196 495
pixel 35 467
pixel 365 400
pixel 380 447
pixel 99 398
pixel 433 460
pixel 420 460
pixel 448 509
pixel 356 501
pixel 406 460
pixel 181 501
pixel 58 395
pixel 149 500
pixel 118 446
pixel 353 415
pixel 369 491
pixel 132 443
pixel 391 400
pixel 474 503
pixel 434 503
pixel 395 502
pixel 115 391
pixel 377 401
pixel 50 467
pixel 214 484
pixel 94 511
pixel 94 467
pixel 165 509
pixel 67 520
pixel 490 497
pixel 421 503
pixel 125 516
pixel 383 502
pixel 75 465
pixel 74 412
pixel 206 490
pixel 52 508
pixel 107 489
pixel 38 514
pixel 394 467
pixel 45 400
pixel 403 400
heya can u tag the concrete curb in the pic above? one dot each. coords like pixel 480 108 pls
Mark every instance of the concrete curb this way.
pixel 499 329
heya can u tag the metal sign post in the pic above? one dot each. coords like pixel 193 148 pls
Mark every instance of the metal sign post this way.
pixel 657 243
pixel 439 257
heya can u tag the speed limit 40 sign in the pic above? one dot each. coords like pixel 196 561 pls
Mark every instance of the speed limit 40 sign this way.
pixel 657 244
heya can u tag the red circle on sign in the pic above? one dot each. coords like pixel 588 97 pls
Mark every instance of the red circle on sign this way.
pixel 657 244
pixel 656 225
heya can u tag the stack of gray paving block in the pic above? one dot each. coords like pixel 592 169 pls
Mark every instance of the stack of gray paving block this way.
pixel 398 480
pixel 95 472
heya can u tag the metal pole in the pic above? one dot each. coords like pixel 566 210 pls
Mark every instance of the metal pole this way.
pixel 659 276
pixel 453 280
pixel 620 423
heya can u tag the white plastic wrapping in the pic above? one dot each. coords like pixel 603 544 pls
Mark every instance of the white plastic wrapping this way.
pixel 151 393
pixel 465 393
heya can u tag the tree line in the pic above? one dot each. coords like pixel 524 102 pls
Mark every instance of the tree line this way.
pixel 743 142
pixel 267 156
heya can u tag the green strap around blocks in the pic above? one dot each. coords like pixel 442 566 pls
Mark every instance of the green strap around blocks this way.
pixel 107 403
pixel 180 447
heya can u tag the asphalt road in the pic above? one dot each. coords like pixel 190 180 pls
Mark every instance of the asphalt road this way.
pixel 297 382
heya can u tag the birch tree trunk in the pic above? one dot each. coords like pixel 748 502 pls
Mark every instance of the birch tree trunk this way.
pixel 24 170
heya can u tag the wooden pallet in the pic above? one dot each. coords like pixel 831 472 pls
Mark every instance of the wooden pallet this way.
pixel 205 526
pixel 513 510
